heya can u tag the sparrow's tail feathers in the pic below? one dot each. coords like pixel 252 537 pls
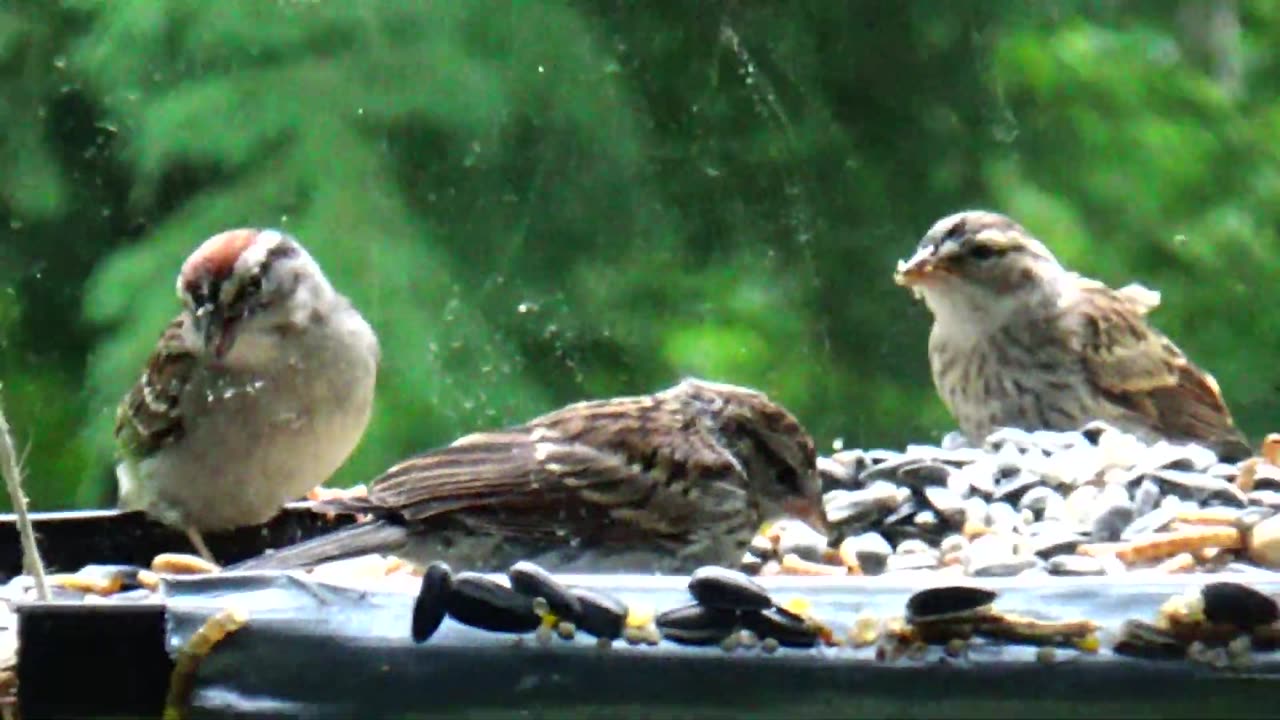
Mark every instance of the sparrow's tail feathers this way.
pixel 373 536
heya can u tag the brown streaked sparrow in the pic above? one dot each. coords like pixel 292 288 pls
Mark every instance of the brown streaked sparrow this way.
pixel 662 482
pixel 256 392
pixel 1020 341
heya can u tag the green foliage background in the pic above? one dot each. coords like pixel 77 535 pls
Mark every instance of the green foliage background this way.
pixel 539 202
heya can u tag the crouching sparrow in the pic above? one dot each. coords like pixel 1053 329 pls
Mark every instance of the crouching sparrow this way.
pixel 662 482
pixel 256 392
pixel 1020 341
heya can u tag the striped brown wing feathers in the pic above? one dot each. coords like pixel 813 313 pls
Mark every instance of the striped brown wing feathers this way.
pixel 627 459
pixel 1139 369
pixel 511 469
pixel 148 418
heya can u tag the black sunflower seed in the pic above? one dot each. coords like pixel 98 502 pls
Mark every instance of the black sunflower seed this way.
pixel 696 624
pixel 942 602
pixel 428 608
pixel 532 581
pixel 477 601
pixel 603 616
pixel 787 628
pixel 718 587
pixel 1229 603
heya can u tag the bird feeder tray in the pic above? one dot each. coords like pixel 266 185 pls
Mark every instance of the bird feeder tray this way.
pixel 297 647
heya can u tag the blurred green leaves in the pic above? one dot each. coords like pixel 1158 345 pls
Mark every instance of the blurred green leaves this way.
pixel 32 183
pixel 539 202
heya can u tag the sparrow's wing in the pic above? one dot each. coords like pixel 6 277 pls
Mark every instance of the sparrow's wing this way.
pixel 639 460
pixel 1138 368
pixel 148 418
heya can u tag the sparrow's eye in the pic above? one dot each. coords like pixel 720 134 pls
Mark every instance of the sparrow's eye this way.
pixel 983 252
pixel 253 287
pixel 955 233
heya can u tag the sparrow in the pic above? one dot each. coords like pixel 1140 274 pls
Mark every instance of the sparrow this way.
pixel 255 393
pixel 655 483
pixel 1020 341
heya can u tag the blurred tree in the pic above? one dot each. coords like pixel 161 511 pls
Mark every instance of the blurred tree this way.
pixel 536 203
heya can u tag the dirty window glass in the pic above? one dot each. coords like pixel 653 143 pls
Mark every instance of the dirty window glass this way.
pixel 545 202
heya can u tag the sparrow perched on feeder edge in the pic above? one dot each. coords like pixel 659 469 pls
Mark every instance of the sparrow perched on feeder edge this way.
pixel 255 393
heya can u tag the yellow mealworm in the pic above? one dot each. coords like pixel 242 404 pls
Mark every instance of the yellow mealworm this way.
pixel 199 645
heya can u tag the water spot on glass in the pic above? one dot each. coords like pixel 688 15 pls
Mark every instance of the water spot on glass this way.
pixel 1005 127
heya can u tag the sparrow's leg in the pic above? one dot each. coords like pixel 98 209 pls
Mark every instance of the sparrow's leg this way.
pixel 197 541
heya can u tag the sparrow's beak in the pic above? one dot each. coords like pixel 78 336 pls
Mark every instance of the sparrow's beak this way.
pixel 912 272
pixel 810 511
pixel 216 329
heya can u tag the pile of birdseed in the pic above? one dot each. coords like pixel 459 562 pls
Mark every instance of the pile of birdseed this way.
pixel 1097 501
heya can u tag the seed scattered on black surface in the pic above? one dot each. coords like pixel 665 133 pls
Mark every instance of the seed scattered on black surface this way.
pixel 634 635
pixel 1143 640
pixel 718 587
pixel 941 603
pixel 532 581
pixel 601 615
pixel 784 627
pixel 429 607
pixel 730 642
pixel 697 624
pixel 482 603
pixel 1230 603
pixel 102 580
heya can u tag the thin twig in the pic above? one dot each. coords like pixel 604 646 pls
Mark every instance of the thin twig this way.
pixel 11 468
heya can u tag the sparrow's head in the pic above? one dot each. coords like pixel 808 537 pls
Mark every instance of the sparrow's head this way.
pixel 247 280
pixel 978 263
pixel 775 451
